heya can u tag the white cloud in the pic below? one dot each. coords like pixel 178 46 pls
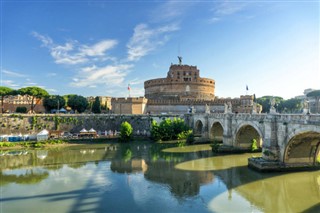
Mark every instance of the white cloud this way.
pixel 223 9
pixel 171 10
pixel 99 48
pixel 109 75
pixel 46 40
pixel 13 74
pixel 228 8
pixel 74 53
pixel 10 83
pixel 145 40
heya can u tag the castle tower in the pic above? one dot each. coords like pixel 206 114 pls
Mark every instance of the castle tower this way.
pixel 183 83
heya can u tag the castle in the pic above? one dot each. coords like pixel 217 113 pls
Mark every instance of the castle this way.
pixel 182 91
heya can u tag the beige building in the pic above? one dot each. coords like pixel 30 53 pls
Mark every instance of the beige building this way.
pixel 11 103
pixel 131 105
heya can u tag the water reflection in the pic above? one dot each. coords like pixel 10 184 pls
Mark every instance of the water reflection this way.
pixel 148 178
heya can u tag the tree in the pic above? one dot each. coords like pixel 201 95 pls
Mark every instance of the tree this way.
pixel 316 95
pixel 96 106
pixel 125 131
pixel 265 103
pixel 5 92
pixel 77 102
pixel 53 102
pixel 170 130
pixel 36 94
pixel 292 105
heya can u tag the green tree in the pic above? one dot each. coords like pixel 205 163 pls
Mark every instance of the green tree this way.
pixel 77 102
pixel 265 103
pixel 36 94
pixel 53 102
pixel 125 131
pixel 292 105
pixel 96 108
pixel 5 92
pixel 155 131
pixel 170 130
pixel 316 95
pixel 21 109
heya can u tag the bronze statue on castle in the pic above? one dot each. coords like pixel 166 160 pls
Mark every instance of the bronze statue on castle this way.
pixel 180 60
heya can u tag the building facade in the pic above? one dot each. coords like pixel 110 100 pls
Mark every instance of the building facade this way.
pixel 131 105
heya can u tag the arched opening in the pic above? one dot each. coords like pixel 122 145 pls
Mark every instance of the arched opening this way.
pixel 303 148
pixel 198 127
pixel 245 136
pixel 216 132
pixel 187 88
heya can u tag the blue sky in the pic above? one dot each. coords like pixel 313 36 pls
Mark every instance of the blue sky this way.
pixel 96 48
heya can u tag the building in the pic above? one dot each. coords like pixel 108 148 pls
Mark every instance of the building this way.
pixel 11 103
pixel 105 101
pixel 184 91
pixel 183 83
pixel 131 105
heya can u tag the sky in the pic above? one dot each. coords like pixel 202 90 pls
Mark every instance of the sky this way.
pixel 98 48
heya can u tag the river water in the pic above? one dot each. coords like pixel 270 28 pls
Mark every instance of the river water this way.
pixel 144 177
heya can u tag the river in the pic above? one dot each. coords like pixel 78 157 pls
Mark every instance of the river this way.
pixel 144 177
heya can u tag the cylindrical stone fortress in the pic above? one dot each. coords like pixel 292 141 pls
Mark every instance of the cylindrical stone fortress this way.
pixel 182 83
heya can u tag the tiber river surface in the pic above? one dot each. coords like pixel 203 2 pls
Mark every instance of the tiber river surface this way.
pixel 148 178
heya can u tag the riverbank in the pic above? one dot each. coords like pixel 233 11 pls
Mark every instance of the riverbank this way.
pixel 64 142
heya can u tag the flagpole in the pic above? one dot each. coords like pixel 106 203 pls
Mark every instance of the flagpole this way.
pixel 129 89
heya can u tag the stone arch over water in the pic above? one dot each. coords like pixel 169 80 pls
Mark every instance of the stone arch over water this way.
pixel 198 127
pixel 245 134
pixel 303 147
pixel 216 131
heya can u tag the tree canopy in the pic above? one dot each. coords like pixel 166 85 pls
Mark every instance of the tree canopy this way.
pixel 77 102
pixel 293 105
pixel 54 102
pixel 314 94
pixel 4 92
pixel 36 94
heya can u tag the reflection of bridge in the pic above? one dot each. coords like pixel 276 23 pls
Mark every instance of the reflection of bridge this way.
pixel 288 140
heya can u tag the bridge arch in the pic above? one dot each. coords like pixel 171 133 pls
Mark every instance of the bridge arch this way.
pixel 303 146
pixel 198 127
pixel 216 131
pixel 245 133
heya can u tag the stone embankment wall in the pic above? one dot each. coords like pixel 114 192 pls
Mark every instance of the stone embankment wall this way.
pixel 31 124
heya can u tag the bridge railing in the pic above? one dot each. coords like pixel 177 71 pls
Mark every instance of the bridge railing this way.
pixel 285 118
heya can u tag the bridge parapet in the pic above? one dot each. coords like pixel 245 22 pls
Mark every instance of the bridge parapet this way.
pixel 299 119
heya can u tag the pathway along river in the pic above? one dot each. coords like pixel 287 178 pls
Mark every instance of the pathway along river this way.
pixel 148 178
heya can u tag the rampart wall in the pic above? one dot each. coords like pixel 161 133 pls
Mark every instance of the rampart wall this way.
pixel 31 124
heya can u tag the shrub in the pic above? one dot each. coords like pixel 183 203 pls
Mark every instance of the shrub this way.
pixel 254 145
pixel 21 109
pixel 215 146
pixel 170 130
pixel 125 131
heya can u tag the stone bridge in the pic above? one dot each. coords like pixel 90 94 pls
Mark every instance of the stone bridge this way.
pixel 289 140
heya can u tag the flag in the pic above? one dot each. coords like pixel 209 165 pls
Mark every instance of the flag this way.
pixel 247 88
pixel 129 87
